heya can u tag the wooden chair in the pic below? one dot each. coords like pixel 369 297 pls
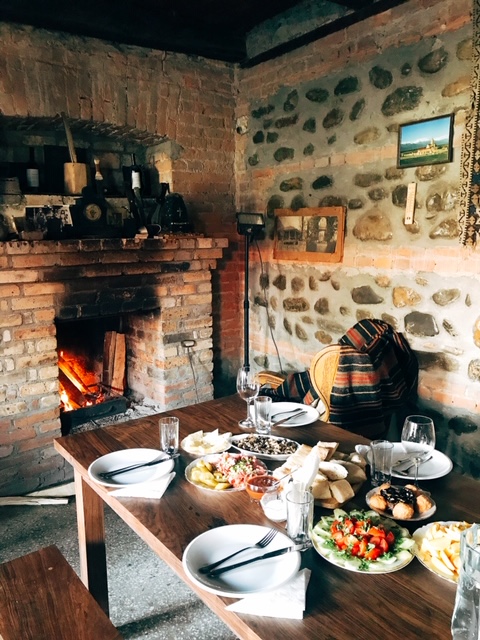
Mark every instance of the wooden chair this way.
pixel 42 598
pixel 274 379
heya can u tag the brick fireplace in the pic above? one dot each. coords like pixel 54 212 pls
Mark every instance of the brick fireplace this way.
pixel 162 290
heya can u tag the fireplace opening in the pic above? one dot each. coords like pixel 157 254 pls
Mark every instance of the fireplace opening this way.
pixel 92 370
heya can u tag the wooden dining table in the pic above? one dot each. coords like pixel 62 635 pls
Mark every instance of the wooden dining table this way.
pixel 341 605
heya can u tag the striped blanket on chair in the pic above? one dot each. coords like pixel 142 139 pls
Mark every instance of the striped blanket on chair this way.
pixel 377 374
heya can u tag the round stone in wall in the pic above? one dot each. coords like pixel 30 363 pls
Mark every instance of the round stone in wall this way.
pixel 433 61
pixel 445 297
pixel 317 95
pixel 380 78
pixel 402 99
pixel 421 324
pixel 373 226
pixel 366 295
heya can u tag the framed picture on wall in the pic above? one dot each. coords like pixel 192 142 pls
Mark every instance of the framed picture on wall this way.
pixel 425 142
pixel 310 234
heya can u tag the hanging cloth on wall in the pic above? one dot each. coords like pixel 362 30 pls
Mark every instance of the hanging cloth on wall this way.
pixel 469 217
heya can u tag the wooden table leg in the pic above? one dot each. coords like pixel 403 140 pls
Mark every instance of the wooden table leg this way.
pixel 91 538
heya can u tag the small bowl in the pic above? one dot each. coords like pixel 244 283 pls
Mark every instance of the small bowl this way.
pixel 258 486
pixel 274 506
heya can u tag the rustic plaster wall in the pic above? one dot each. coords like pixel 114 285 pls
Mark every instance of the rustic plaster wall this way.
pixel 322 130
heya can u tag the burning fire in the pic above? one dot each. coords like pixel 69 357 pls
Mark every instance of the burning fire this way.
pixel 64 399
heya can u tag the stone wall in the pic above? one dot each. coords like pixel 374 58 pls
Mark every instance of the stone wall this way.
pixel 322 130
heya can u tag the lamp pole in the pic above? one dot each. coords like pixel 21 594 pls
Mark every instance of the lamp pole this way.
pixel 246 306
pixel 247 225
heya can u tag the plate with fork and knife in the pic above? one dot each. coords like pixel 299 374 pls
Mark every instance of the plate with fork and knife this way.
pixel 139 465
pixel 435 465
pixel 292 414
pixel 264 560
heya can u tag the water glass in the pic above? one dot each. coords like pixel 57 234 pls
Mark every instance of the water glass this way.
pixel 169 434
pixel 381 463
pixel 299 516
pixel 262 411
pixel 466 613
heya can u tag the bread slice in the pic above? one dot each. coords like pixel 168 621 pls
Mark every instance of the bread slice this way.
pixel 321 488
pixel 341 490
pixel 326 449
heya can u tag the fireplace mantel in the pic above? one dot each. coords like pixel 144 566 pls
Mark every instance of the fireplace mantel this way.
pixel 161 286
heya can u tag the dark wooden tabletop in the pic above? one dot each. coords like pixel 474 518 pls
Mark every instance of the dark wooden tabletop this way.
pixel 409 604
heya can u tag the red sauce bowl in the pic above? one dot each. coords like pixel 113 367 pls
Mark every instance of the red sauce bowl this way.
pixel 258 486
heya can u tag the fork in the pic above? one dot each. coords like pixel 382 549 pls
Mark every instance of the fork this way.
pixel 261 544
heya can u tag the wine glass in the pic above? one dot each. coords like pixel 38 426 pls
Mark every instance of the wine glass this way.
pixel 418 438
pixel 248 387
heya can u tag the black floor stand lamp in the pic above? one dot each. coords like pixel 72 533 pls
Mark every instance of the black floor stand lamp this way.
pixel 248 225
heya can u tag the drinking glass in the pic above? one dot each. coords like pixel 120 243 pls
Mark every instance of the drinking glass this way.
pixel 466 614
pixel 418 438
pixel 248 387
pixel 169 434
pixel 262 412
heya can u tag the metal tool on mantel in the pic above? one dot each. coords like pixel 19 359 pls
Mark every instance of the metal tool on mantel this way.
pixel 75 174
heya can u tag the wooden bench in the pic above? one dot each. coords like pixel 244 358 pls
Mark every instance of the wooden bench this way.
pixel 42 598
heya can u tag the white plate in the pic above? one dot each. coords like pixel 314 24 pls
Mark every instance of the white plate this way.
pixel 374 567
pixel 217 543
pixel 312 414
pixel 213 458
pixel 204 443
pixel 123 458
pixel 418 536
pixel 386 514
pixel 237 443
pixel 438 466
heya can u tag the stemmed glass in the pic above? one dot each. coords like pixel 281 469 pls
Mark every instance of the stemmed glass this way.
pixel 248 387
pixel 418 438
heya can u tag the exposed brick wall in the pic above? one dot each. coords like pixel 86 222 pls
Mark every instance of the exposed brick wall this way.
pixel 186 99
pixel 162 289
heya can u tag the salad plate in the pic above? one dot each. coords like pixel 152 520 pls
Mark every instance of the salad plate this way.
pixel 255 578
pixel 232 468
pixel 398 556
pixel 123 458
pixel 265 447
pixel 280 411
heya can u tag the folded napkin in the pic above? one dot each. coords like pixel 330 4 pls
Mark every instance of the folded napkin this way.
pixel 151 489
pixel 287 601
pixel 303 478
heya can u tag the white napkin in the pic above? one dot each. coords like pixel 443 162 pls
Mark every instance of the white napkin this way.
pixel 287 601
pixel 304 477
pixel 151 489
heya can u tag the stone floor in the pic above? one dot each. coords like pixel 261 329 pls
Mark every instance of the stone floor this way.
pixel 147 600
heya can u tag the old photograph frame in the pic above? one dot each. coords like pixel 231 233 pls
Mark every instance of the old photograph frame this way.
pixel 310 234
pixel 424 142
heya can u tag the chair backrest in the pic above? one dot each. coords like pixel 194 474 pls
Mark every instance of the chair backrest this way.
pixel 323 370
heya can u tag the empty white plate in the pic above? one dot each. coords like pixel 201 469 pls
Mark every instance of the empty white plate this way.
pixel 217 543
pixel 124 458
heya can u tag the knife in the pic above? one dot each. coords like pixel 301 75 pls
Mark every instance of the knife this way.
pixel 106 475
pixel 405 472
pixel 270 554
pixel 283 420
